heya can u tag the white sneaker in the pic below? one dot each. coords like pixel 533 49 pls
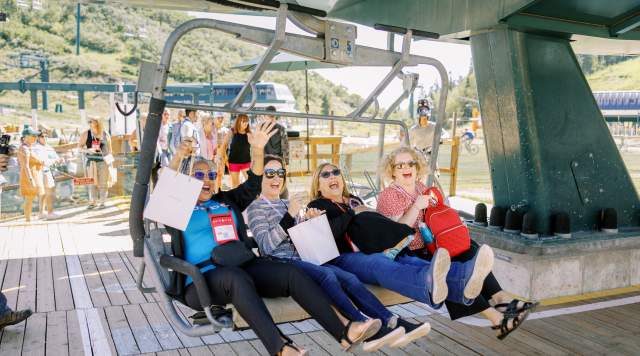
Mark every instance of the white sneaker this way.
pixel 440 264
pixel 53 216
pixel 482 265
pixel 417 332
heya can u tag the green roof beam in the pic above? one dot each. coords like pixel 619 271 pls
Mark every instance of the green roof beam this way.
pixel 628 24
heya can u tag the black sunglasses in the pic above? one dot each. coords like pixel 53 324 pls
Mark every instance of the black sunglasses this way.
pixel 401 165
pixel 199 175
pixel 326 174
pixel 271 173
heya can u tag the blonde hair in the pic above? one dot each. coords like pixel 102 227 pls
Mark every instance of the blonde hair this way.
pixel 314 191
pixel 386 165
pixel 100 126
pixel 207 119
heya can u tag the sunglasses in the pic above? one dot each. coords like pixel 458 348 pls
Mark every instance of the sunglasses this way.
pixel 327 174
pixel 199 175
pixel 271 173
pixel 402 165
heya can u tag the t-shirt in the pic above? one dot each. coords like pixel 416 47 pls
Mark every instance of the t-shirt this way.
pixel 394 201
pixel 199 239
pixel 163 137
pixel 422 137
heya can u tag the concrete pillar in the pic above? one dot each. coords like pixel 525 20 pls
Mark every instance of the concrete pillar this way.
pixel 548 145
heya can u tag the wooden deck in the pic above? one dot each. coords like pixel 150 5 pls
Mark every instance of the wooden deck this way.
pixel 78 276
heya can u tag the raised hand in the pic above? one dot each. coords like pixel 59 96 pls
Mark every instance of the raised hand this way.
pixel 261 135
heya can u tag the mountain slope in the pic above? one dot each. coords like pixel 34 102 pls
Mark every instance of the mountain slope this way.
pixel 114 40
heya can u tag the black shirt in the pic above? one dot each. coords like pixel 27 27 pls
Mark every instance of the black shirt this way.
pixel 240 150
pixel 339 216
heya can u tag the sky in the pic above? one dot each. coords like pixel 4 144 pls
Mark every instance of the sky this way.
pixel 362 80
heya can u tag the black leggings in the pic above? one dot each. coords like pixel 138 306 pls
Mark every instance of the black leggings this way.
pixel 243 287
pixel 481 303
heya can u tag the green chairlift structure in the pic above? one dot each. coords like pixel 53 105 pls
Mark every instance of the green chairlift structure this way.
pixel 548 145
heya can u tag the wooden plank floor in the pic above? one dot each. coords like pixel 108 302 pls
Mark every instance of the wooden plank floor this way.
pixel 78 276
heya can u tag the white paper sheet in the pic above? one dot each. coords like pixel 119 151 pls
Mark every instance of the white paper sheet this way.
pixel 173 199
pixel 314 240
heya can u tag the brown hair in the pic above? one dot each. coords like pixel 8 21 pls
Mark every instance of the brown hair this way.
pixel 314 191
pixel 236 125
pixel 386 165
pixel 268 158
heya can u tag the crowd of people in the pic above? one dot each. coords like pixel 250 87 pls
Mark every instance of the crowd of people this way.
pixel 334 292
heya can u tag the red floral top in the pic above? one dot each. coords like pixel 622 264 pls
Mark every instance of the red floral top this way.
pixel 394 202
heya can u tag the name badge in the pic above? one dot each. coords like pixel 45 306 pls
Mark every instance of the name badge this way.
pixel 224 228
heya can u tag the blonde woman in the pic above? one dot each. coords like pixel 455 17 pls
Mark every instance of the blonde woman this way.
pixel 95 143
pixel 427 281
pixel 208 139
pixel 31 184
pixel 404 201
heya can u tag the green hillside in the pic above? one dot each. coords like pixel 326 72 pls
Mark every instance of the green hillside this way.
pixel 619 76
pixel 115 39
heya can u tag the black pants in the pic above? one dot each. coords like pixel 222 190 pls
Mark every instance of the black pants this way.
pixel 481 303
pixel 244 287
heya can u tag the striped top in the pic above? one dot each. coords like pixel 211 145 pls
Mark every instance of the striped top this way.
pixel 268 222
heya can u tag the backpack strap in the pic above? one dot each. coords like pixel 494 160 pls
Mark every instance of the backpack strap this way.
pixel 438 194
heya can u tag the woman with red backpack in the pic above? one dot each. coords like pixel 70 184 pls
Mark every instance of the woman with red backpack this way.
pixel 365 239
pixel 407 200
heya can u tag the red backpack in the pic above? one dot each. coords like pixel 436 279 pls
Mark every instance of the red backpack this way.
pixel 448 230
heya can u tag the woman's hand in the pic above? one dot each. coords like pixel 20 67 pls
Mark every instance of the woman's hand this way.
pixel 263 132
pixel 422 202
pixel 185 148
pixel 294 207
pixel 313 213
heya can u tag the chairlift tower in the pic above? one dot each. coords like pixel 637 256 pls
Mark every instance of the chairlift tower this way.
pixel 40 61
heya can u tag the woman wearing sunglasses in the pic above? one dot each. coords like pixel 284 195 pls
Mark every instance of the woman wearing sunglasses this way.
pixel 216 221
pixel 429 282
pixel 404 201
pixel 270 217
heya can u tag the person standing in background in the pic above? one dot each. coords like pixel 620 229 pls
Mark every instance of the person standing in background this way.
pixel 208 139
pixel 96 144
pixel 239 150
pixel 174 133
pixel 163 140
pixel 31 185
pixel 49 156
pixel 278 144
pixel 221 131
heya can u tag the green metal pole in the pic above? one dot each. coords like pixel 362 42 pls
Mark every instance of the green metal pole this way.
pixel 78 29
pixel 34 109
pixel 44 77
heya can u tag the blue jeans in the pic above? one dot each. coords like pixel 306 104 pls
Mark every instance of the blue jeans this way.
pixel 3 305
pixel 412 280
pixel 457 277
pixel 345 289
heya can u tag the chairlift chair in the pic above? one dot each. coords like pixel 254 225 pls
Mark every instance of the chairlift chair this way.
pixel 157 258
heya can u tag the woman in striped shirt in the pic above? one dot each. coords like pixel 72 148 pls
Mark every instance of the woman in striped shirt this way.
pixel 270 217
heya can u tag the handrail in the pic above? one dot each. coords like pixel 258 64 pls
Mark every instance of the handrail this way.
pixel 178 105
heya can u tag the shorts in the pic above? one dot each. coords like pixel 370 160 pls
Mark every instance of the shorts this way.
pixel 239 167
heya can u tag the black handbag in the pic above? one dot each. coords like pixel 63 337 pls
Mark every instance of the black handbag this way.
pixel 232 254
pixel 373 232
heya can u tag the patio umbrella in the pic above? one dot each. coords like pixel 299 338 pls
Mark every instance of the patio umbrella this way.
pixel 285 62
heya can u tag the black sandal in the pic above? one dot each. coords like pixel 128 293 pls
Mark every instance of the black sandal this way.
pixel 504 324
pixel 289 343
pixel 345 336
pixel 512 309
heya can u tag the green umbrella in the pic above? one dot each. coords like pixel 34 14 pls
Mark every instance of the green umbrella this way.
pixel 284 62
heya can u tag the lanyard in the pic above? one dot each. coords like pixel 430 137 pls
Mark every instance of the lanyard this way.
pixel 273 206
